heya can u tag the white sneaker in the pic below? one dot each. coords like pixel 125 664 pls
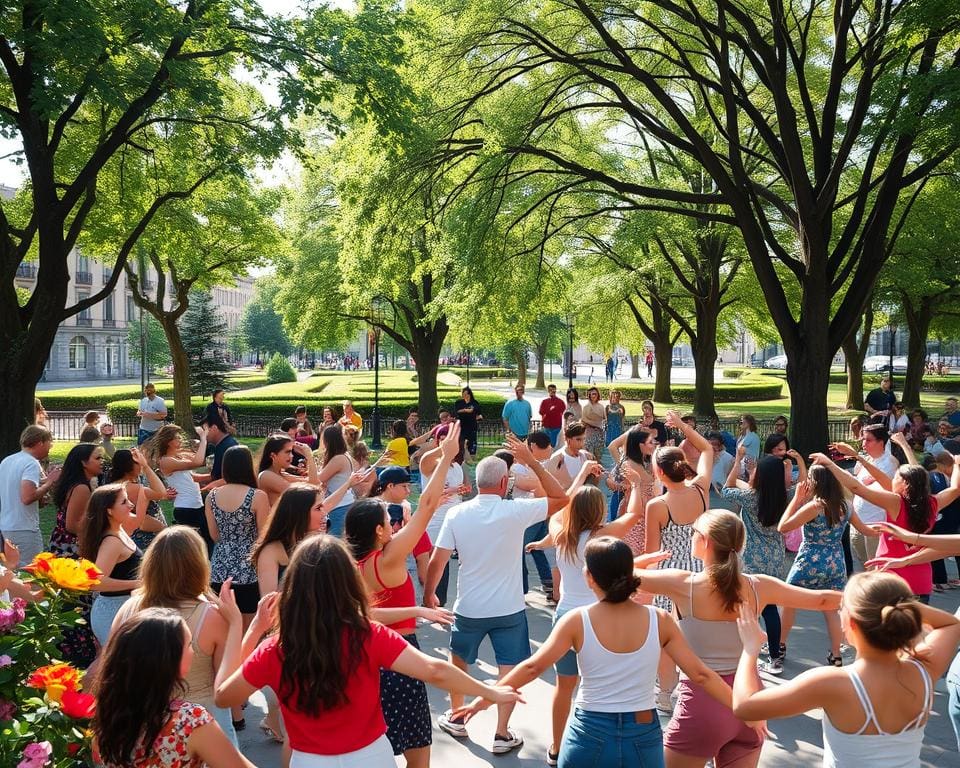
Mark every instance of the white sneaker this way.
pixel 503 745
pixel 665 702
pixel 447 724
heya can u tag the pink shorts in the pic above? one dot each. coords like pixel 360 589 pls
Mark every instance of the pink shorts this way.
pixel 703 727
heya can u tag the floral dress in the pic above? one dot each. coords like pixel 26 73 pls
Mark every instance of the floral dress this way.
pixel 238 535
pixel 170 747
pixel 144 538
pixel 764 551
pixel 78 645
pixel 677 538
pixel 635 536
pixel 819 563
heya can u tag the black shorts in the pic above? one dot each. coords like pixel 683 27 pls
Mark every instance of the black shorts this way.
pixel 406 709
pixel 247 595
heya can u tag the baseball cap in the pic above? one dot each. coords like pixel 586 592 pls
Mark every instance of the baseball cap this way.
pixel 394 476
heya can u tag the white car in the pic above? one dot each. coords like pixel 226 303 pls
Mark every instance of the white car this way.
pixel 777 361
pixel 878 363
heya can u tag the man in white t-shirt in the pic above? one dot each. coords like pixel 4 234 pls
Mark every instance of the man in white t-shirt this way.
pixel 487 532
pixel 152 413
pixel 22 485
pixel 875 450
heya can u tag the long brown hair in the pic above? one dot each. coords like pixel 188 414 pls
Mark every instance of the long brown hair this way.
pixel 727 535
pixel 156 447
pixel 96 520
pixel 673 464
pixel 289 520
pixel 323 610
pixel 175 569
pixel 917 497
pixel 827 490
pixel 583 513
pixel 139 676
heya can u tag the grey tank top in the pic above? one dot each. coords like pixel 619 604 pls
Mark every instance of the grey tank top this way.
pixel 717 643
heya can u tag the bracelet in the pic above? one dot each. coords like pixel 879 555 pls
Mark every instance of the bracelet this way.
pixel 916 542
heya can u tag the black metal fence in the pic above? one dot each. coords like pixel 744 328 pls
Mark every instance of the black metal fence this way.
pixel 66 425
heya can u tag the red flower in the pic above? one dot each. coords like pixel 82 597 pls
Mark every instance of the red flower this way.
pixel 73 748
pixel 79 706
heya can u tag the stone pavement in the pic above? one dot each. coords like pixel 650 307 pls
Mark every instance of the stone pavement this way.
pixel 795 743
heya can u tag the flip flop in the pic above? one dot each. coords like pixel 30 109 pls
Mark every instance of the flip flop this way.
pixel 274 735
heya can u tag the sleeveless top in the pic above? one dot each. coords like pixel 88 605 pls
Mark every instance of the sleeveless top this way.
pixel 677 539
pixel 188 491
pixel 919 577
pixel 617 682
pixel 880 749
pixel 716 642
pixel 574 592
pixel 169 748
pixel 238 536
pixel 454 479
pixel 125 569
pixel 339 479
pixel 403 596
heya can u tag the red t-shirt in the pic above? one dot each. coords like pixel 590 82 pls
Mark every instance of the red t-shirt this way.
pixel 919 577
pixel 551 412
pixel 348 727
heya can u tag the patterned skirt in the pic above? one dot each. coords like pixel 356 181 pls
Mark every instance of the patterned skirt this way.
pixel 405 709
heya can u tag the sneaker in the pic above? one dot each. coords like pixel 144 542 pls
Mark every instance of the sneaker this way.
pixel 773 666
pixel 504 744
pixel 553 757
pixel 447 724
pixel 765 649
pixel 665 702
pixel 836 661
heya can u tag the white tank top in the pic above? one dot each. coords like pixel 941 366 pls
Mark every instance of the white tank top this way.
pixel 454 479
pixel 188 491
pixel 617 682
pixel 573 464
pixel 880 749
pixel 339 479
pixel 574 592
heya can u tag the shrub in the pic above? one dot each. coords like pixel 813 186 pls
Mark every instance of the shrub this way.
pixel 482 373
pixel 97 398
pixel 723 393
pixel 279 370
pixel 733 373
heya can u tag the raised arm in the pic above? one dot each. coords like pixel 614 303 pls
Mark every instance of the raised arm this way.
pixel 733 476
pixel 555 494
pixel 889 500
pixel 313 474
pixel 948 495
pixel 801 465
pixel 705 462
pixel 798 510
pixel 635 508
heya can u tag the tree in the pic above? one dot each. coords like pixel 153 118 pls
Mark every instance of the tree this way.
pixel 85 84
pixel 158 353
pixel 261 326
pixel 817 122
pixel 203 333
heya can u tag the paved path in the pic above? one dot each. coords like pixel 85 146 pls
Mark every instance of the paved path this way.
pixel 796 742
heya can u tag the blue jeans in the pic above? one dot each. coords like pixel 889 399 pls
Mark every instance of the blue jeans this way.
pixel 953 688
pixel 554 434
pixel 336 519
pixel 611 740
pixel 509 636
pixel 534 533
pixel 143 436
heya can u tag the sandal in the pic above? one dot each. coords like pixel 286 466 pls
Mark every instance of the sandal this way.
pixel 834 661
pixel 274 735
pixel 239 725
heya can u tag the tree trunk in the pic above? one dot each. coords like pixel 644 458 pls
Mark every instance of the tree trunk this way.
pixel 521 358
pixel 634 365
pixel 808 376
pixel 918 323
pixel 425 348
pixel 704 348
pixel 663 359
pixel 541 353
pixel 18 377
pixel 183 410
pixel 854 352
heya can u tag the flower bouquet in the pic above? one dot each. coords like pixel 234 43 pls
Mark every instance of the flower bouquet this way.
pixel 43 710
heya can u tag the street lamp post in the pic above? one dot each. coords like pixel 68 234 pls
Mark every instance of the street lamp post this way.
pixel 893 337
pixel 376 321
pixel 570 361
pixel 468 366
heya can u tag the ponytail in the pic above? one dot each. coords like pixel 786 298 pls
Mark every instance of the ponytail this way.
pixel 727 535
pixel 673 464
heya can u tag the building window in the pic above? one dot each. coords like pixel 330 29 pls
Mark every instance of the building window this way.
pixel 131 309
pixel 84 317
pixel 108 319
pixel 78 353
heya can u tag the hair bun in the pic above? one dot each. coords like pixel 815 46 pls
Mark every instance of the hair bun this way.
pixel 887 610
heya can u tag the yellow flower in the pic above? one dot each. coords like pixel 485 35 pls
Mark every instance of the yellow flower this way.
pixel 76 575
pixel 56 679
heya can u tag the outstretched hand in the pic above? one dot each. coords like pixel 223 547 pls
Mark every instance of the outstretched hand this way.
pixel 749 628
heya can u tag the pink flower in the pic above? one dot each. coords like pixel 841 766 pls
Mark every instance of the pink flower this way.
pixel 7 710
pixel 10 617
pixel 36 755
pixel 5 661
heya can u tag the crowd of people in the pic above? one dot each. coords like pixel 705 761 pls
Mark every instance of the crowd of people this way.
pixel 304 569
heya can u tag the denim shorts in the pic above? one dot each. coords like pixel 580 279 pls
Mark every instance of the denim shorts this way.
pixel 566 664
pixel 508 635
pixel 611 739
pixel 953 688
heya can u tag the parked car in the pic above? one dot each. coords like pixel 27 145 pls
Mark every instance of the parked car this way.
pixel 682 361
pixel 779 362
pixel 879 363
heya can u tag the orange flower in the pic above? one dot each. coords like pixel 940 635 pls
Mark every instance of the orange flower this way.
pixel 56 679
pixel 79 706
pixel 65 572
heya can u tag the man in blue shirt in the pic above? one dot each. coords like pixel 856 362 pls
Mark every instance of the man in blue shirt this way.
pixel 952 416
pixel 517 414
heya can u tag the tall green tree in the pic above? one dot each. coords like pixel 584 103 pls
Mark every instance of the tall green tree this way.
pixel 203 334
pixel 818 120
pixel 261 325
pixel 157 351
pixel 85 83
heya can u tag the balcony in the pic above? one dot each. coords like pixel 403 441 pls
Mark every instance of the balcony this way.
pixel 84 278
pixel 84 322
pixel 27 270
pixel 107 274
pixel 148 284
pixel 111 323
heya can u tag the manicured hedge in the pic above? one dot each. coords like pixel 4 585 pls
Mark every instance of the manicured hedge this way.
pixel 91 398
pixel 482 373
pixel 723 393
pixel 733 373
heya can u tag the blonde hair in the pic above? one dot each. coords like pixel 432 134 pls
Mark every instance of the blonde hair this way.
pixel 584 513
pixel 727 535
pixel 175 569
